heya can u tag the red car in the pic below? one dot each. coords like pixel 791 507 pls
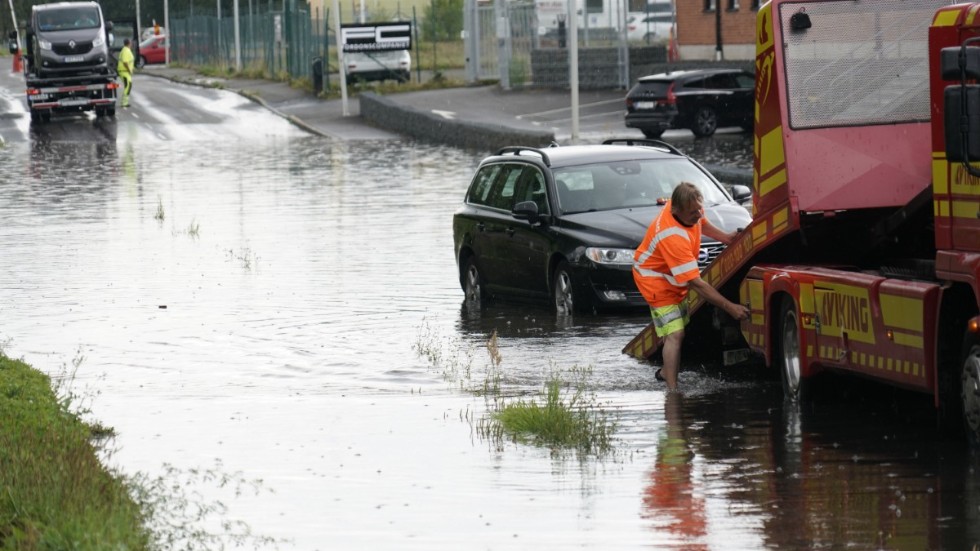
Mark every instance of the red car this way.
pixel 153 50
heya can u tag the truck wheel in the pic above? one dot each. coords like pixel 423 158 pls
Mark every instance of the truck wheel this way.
pixel 705 122
pixel 111 111
pixel 970 391
pixel 789 350
pixel 35 116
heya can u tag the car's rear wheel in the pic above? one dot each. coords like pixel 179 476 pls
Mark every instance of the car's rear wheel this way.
pixel 652 134
pixel 473 283
pixel 705 122
pixel 141 62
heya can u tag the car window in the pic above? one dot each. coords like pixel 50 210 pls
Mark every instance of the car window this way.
pixel 482 182
pixel 532 188
pixel 607 186
pixel 696 83
pixel 719 82
pixel 745 81
pixel 504 186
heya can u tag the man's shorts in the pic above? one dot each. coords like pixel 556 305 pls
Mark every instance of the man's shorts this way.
pixel 670 319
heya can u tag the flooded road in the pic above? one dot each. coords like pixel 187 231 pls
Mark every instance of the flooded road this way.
pixel 285 308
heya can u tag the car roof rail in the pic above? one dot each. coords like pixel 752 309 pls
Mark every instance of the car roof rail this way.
pixel 517 149
pixel 644 141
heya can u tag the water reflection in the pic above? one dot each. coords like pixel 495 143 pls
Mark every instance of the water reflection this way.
pixel 672 500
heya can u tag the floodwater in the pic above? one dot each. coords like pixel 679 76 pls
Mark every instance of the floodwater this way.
pixel 285 309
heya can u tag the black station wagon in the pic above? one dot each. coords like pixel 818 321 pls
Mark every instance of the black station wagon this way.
pixel 560 224
pixel 702 100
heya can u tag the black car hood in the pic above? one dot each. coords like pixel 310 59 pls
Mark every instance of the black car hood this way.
pixel 626 227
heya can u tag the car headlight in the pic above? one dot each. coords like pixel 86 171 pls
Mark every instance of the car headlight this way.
pixel 98 42
pixel 44 44
pixel 609 256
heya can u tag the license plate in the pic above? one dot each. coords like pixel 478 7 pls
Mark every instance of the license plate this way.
pixel 645 104
pixel 73 102
pixel 74 59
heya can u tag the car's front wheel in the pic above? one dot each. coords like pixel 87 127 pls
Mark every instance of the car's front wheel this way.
pixel 705 122
pixel 473 283
pixel 563 290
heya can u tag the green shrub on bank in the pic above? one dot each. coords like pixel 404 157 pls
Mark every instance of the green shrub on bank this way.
pixel 54 492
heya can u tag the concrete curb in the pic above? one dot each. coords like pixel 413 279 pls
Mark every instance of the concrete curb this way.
pixel 384 113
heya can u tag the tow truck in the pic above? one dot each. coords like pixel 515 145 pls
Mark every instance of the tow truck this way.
pixel 67 65
pixel 863 256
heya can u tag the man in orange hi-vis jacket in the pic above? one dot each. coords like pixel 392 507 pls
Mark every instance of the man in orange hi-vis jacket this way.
pixel 665 267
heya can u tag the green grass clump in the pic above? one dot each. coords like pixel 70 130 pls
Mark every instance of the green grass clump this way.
pixel 54 492
pixel 561 421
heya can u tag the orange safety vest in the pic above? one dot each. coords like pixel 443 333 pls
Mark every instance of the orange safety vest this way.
pixel 667 259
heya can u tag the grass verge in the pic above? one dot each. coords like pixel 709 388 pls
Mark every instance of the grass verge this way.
pixel 54 491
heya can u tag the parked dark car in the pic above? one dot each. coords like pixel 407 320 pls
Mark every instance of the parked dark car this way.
pixel 560 224
pixel 702 100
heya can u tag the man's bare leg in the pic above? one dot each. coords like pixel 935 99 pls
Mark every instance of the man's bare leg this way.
pixel 672 358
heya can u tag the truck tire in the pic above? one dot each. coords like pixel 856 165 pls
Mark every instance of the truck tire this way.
pixel 788 357
pixel 970 390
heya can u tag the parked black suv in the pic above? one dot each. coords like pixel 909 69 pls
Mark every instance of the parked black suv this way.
pixel 562 223
pixel 702 100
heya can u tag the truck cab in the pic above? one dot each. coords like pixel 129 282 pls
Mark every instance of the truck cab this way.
pixel 68 39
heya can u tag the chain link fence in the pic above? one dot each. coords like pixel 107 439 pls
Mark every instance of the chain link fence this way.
pixel 514 42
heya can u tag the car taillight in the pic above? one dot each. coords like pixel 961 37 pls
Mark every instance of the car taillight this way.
pixel 671 98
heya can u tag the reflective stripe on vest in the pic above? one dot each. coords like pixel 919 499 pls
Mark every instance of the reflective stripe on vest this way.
pixel 657 238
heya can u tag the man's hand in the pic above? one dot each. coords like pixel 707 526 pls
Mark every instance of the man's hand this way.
pixel 737 311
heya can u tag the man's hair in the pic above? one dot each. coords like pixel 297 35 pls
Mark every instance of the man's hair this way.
pixel 126 42
pixel 685 194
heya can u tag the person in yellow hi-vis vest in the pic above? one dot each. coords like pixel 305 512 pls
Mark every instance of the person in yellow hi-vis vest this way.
pixel 125 70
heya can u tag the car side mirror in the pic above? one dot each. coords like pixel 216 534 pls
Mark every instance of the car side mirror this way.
pixel 526 210
pixel 108 26
pixel 13 46
pixel 741 194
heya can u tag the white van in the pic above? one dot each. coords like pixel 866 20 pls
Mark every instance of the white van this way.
pixel 384 65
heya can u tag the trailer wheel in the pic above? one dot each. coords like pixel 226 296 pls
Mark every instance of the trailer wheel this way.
pixel 970 391
pixel 789 350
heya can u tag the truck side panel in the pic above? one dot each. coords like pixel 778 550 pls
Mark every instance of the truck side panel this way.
pixel 875 326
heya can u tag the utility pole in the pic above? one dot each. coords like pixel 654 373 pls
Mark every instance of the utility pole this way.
pixel 719 53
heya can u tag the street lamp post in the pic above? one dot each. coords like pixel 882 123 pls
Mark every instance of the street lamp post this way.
pixel 719 53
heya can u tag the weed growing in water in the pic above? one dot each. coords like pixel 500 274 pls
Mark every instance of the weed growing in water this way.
pixel 568 417
pixel 246 257
pixel 563 416
pixel 159 214
pixel 177 515
pixel 455 360
pixel 194 228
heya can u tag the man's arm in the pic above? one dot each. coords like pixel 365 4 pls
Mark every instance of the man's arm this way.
pixel 714 232
pixel 711 295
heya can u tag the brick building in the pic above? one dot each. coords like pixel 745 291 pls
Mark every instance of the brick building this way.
pixel 696 28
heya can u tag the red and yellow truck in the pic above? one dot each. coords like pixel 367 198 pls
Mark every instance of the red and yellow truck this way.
pixel 864 252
